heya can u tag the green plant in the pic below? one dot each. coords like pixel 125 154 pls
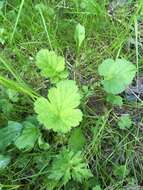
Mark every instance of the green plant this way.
pixel 69 165
pixel 77 140
pixel 124 122
pixel 59 112
pixel 114 100
pixel 28 137
pixel 70 39
pixel 79 35
pixel 51 65
pixel 9 134
pixel 117 75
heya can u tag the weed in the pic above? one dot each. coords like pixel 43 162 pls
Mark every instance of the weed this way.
pixel 71 94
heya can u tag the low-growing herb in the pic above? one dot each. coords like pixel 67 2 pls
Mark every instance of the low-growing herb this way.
pixel 59 112
pixel 51 65
pixel 69 165
pixel 118 74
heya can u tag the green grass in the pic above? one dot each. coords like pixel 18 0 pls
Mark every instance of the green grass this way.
pixel 109 34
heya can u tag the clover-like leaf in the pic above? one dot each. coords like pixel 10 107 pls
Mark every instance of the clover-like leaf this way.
pixel 51 65
pixel 117 75
pixel 59 111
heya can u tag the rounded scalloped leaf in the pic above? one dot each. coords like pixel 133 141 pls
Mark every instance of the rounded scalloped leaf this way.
pixel 51 65
pixel 117 75
pixel 59 111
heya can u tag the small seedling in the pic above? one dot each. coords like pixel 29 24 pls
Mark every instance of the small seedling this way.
pixel 79 35
pixel 124 122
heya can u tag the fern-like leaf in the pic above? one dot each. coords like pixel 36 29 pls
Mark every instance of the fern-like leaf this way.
pixel 69 165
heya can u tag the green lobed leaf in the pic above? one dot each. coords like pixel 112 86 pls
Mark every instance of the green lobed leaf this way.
pixel 28 137
pixel 117 75
pixel 59 112
pixel 51 65
pixel 9 134
pixel 124 122
pixel 69 165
